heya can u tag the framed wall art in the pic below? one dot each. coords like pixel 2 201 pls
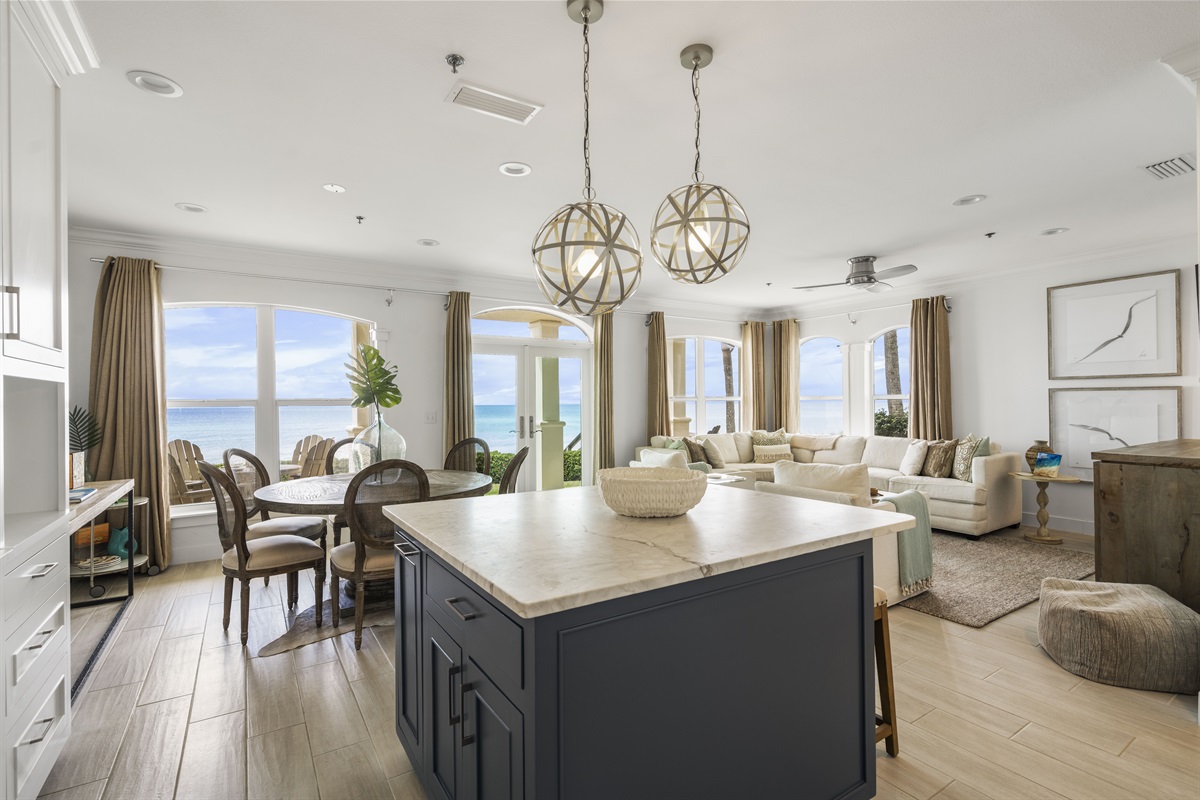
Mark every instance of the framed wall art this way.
pixel 1115 328
pixel 1083 421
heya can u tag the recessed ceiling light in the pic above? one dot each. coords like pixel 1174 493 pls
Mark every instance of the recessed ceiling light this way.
pixel 336 188
pixel 428 242
pixel 154 83
pixel 970 200
pixel 1054 231
pixel 194 208
pixel 515 169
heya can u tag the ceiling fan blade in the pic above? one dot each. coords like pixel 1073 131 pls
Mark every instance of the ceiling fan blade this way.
pixel 896 272
pixel 879 286
pixel 821 285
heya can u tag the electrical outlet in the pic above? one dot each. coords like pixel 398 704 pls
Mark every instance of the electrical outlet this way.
pixel 431 417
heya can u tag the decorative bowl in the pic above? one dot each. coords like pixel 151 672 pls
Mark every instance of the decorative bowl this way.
pixel 651 491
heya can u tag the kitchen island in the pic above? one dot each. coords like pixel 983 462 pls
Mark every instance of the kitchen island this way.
pixel 547 647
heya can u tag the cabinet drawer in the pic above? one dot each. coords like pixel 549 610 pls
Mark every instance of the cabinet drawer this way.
pixel 492 639
pixel 33 647
pixel 38 736
pixel 32 583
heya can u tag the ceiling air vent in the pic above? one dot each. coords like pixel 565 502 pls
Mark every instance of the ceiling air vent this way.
pixel 492 103
pixel 1173 167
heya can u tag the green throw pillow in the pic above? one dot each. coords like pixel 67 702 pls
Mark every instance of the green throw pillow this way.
pixel 675 444
pixel 984 448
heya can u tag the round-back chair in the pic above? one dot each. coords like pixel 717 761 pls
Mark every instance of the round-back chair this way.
pixel 508 481
pixel 463 456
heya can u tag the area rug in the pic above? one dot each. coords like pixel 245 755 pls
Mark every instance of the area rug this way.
pixel 976 582
pixel 304 629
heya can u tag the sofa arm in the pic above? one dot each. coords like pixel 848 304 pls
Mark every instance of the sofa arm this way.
pixel 987 470
pixel 843 498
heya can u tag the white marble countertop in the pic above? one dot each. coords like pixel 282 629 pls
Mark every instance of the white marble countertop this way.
pixel 542 552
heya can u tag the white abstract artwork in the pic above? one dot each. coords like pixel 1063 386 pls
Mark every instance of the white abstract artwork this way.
pixel 1116 327
pixel 1085 421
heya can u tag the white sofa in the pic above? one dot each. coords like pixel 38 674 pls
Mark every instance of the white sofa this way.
pixel 991 500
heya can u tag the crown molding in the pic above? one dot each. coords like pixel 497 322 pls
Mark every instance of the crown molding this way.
pixel 364 273
pixel 59 34
pixel 1185 62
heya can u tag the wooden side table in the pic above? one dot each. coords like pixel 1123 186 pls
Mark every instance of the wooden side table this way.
pixel 1043 516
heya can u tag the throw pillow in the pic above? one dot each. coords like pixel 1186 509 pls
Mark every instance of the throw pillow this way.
pixel 713 454
pixel 964 451
pixel 984 448
pixel 770 438
pixel 675 444
pixel 939 460
pixel 695 452
pixel 914 458
pixel 770 453
pixel 676 460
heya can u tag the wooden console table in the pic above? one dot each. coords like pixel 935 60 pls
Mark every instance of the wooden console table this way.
pixel 1148 515
pixel 1043 516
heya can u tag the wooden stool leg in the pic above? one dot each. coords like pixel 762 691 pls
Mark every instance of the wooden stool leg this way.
pixel 887 687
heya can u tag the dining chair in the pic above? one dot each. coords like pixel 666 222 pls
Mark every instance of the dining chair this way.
pixel 463 456
pixel 249 474
pixel 250 555
pixel 338 521
pixel 508 481
pixel 369 557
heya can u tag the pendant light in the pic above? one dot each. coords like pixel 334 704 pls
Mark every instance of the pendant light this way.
pixel 588 255
pixel 700 231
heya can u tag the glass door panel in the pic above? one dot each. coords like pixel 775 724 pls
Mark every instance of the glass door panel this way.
pixel 496 374
pixel 559 441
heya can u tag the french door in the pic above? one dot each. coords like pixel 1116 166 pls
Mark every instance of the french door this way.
pixel 536 396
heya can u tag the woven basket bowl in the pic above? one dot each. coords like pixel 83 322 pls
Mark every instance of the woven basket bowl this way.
pixel 651 491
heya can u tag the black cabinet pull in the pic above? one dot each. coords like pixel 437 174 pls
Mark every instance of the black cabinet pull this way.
pixel 462 705
pixel 464 617
pixel 450 673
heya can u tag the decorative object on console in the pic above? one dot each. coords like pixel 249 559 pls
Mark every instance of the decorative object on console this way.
pixel 770 453
pixel 119 543
pixel 373 383
pixel 76 496
pixel 1085 420
pixel 587 254
pixel 1039 446
pixel 1046 465
pixel 85 432
pixel 939 460
pixel 1115 328
pixel 651 491
pixel 700 231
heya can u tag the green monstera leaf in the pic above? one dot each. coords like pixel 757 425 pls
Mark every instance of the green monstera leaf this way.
pixel 372 380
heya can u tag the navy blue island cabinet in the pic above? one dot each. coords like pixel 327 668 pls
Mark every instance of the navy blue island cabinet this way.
pixel 753 682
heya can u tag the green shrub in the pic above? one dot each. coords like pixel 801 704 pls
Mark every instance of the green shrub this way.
pixel 891 424
pixel 572 464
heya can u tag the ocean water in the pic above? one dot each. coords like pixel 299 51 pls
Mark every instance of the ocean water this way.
pixel 494 423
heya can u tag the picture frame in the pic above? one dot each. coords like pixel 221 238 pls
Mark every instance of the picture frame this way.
pixel 1086 420
pixel 1115 327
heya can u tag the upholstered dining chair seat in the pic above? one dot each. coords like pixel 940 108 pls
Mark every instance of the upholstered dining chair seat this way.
pixel 308 527
pixel 342 557
pixel 270 552
pixel 880 597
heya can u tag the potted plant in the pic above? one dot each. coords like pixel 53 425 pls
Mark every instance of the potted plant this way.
pixel 373 383
pixel 85 432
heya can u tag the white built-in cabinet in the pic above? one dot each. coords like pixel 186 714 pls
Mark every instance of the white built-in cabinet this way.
pixel 42 44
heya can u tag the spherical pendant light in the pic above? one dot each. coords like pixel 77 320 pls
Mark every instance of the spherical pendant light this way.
pixel 587 254
pixel 701 230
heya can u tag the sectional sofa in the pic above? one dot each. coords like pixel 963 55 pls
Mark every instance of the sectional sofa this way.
pixel 991 500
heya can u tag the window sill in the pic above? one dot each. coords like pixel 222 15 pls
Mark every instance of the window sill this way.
pixel 194 514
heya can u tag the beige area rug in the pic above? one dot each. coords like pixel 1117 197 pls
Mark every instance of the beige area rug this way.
pixel 305 631
pixel 976 582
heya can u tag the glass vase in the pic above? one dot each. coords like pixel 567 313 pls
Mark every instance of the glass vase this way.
pixel 377 442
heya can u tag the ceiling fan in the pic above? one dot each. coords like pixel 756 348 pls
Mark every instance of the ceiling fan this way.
pixel 863 275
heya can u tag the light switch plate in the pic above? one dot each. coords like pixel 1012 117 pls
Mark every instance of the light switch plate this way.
pixel 431 417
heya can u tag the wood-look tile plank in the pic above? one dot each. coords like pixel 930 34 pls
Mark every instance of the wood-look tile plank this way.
pixel 908 708
pixel 89 791
pixel 148 762
pixel 352 771
pixel 926 621
pixel 188 615
pixel 172 673
pixel 376 696
pixel 386 636
pixel 974 667
pixel 330 709
pixel 127 659
pixel 909 774
pixel 1021 634
pixel 98 725
pixel 886 791
pixel 220 683
pixel 266 625
pixel 1170 759
pixel 358 663
pixel 407 787
pixel 272 696
pixel 151 606
pixel 961 764
pixel 280 765
pixel 214 635
pixel 1148 705
pixel 994 717
pixel 316 653
pixel 214 759
pixel 960 791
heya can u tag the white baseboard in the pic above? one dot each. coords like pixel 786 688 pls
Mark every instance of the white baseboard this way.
pixel 194 538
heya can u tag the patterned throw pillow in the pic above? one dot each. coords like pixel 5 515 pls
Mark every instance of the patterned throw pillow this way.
pixel 963 453
pixel 695 452
pixel 713 455
pixel 769 438
pixel 939 459
pixel 770 453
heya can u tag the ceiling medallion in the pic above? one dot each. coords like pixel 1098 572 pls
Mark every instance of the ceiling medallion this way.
pixel 701 230
pixel 587 254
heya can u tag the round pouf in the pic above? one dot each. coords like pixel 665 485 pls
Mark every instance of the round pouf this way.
pixel 1122 634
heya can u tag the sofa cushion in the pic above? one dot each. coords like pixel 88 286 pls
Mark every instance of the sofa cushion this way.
pixel 842 498
pixel 963 453
pixel 724 445
pixel 941 488
pixel 852 478
pixel 885 451
pixel 914 457
pixel 744 443
pixel 848 450
pixel 652 459
pixel 770 453
pixel 881 477
pixel 762 472
pixel 946 514
pixel 714 455
pixel 695 451
pixel 802 456
pixel 939 460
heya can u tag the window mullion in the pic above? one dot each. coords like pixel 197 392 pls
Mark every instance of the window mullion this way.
pixel 266 418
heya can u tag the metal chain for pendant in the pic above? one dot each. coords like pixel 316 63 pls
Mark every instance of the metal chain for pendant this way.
pixel 697 175
pixel 588 192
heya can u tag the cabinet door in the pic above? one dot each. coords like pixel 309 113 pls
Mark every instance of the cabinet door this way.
pixel 443 714
pixel 408 648
pixel 493 752
pixel 34 273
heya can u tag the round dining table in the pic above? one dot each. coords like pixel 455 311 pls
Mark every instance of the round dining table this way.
pixel 326 494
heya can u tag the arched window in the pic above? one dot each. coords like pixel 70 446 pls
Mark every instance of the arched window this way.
pixel 890 375
pixel 822 411
pixel 706 395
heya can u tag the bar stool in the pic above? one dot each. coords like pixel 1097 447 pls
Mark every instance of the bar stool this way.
pixel 885 724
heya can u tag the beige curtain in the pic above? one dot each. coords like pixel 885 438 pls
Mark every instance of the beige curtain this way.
pixel 786 373
pixel 754 395
pixel 658 406
pixel 930 413
pixel 602 351
pixel 127 392
pixel 459 394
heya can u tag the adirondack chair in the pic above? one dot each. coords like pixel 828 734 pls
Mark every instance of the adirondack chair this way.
pixel 187 485
pixel 312 460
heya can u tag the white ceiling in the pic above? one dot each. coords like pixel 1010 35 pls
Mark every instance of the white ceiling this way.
pixel 845 128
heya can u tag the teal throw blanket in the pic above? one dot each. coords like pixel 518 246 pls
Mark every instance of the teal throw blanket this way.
pixel 915 545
